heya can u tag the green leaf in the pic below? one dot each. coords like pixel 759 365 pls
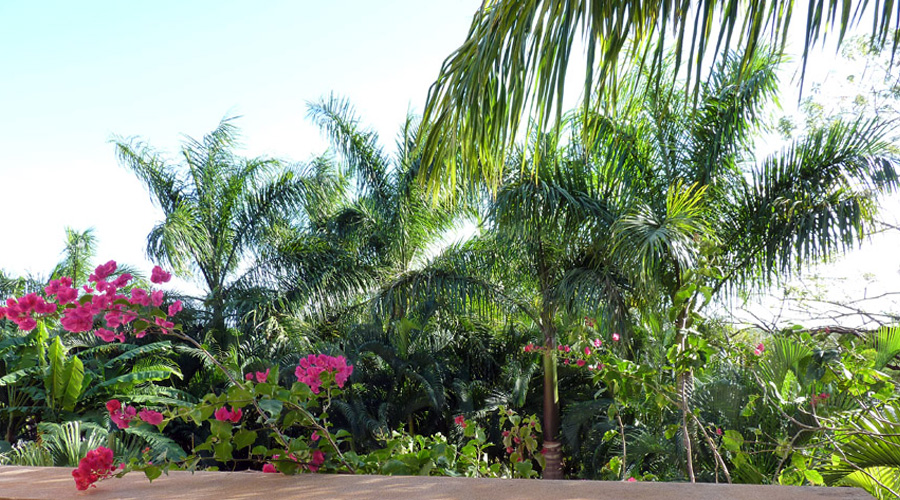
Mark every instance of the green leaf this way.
pixel 814 477
pixel 74 377
pixel 244 438
pixel 223 451
pixel 140 325
pixel 733 440
pixel 54 381
pixel 152 472
pixel 221 430
pixel 272 406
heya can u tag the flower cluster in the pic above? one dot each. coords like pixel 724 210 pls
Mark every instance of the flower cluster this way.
pixel 817 399
pixel 316 459
pixel 310 370
pixel 761 348
pixel 102 298
pixel 233 416
pixel 123 415
pixel 260 376
pixel 97 465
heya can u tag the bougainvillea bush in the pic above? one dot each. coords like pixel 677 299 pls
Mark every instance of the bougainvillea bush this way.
pixel 255 420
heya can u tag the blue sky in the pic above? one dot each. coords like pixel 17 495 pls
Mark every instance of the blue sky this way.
pixel 75 74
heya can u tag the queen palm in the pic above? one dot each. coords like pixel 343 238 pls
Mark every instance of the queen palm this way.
pixel 218 209
pixel 667 188
pixel 536 261
pixel 513 64
pixel 708 217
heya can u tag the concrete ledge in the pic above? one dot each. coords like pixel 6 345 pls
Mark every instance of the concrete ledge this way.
pixel 55 483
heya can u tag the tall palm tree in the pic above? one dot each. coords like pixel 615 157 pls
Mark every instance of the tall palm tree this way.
pixel 218 209
pixel 513 64
pixel 708 218
pixel 537 261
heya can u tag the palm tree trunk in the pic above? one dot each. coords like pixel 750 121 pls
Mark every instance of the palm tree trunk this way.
pixel 551 447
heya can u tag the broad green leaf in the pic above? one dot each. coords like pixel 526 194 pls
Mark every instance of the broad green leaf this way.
pixel 244 438
pixel 74 377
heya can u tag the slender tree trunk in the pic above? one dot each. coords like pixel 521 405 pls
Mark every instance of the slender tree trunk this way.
pixel 684 382
pixel 551 451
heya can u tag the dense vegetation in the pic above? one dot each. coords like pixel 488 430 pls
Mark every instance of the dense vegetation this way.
pixel 581 299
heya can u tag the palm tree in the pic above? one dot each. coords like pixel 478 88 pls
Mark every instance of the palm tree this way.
pixel 218 210
pixel 538 261
pixel 513 63
pixel 708 218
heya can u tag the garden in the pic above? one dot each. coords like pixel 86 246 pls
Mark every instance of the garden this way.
pixel 513 289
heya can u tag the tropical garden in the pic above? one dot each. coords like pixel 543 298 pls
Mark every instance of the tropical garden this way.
pixel 339 323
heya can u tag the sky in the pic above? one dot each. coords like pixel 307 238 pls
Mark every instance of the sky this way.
pixel 78 74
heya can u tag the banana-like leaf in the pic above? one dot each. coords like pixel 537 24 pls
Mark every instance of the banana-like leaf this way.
pixel 74 383
pixel 54 380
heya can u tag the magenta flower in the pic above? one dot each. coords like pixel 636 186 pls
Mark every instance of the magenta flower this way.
pixel 159 276
pixel 759 349
pixel 96 465
pixel 616 337
pixel 151 417
pixel 233 416
pixel 103 271
pixel 156 298
pixel 269 469
pixel 121 416
pixel 580 362
pixel 587 351
pixel 632 480
pixel 175 308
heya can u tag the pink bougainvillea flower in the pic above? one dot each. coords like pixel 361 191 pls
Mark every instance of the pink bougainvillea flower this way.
pixel 151 417
pixel 310 369
pixel 315 436
pixel 529 347
pixel 175 308
pixel 233 416
pixel 96 465
pixel 269 469
pixel 460 421
pixel 156 298
pixel 580 362
pixel 598 343
pixel 139 296
pixel 318 458
pixel 566 361
pixel 761 348
pixel 632 480
pixel 616 337
pixel 510 450
pixel 248 376
pixel 120 415
pixel 158 275
pixel 587 351
pixel 103 271
pixel 718 431
pixel 262 376
pixel 108 335
pixel 122 280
